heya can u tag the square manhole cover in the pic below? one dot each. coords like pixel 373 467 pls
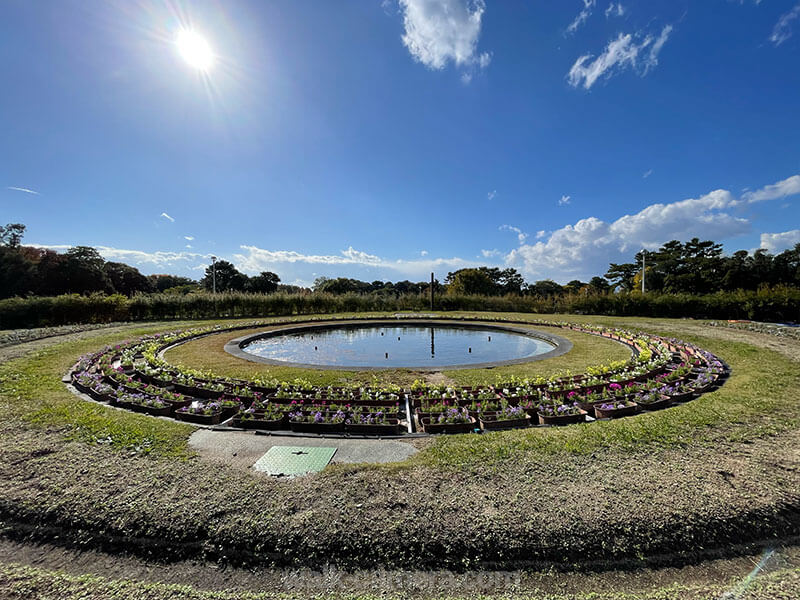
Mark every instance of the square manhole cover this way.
pixel 290 461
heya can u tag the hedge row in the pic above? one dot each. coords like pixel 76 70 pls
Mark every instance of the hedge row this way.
pixel 767 304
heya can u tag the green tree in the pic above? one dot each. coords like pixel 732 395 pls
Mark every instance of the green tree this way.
pixel 471 281
pixel 264 283
pixel 82 271
pixel 127 280
pixel 545 288
pixel 228 278
pixel 621 275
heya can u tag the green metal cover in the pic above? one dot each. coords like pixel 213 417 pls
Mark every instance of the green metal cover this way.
pixel 291 461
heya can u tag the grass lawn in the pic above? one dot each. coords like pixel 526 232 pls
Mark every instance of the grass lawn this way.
pixel 207 353
pixel 668 486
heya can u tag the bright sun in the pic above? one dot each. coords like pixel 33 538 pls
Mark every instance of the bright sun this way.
pixel 195 49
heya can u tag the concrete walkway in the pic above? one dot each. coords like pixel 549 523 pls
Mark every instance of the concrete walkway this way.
pixel 243 448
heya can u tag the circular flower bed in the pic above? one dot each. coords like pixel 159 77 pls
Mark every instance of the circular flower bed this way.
pixel 661 372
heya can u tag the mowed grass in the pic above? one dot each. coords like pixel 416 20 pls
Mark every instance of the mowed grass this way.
pixel 537 494
pixel 760 399
pixel 208 353
pixel 32 392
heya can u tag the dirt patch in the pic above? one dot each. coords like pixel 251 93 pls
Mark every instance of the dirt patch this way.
pixel 437 378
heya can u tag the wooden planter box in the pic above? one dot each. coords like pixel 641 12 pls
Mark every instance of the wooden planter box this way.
pixel 657 405
pixel 260 423
pixel 492 424
pixel 683 396
pixel 198 419
pixel 149 410
pixel 630 408
pixel 562 419
pixel 308 427
pixel 391 428
pixel 429 427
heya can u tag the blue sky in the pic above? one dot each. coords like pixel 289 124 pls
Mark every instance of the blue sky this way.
pixel 383 140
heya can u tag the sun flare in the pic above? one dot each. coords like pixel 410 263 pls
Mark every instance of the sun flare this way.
pixel 195 50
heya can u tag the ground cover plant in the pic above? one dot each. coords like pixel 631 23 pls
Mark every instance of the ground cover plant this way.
pixel 693 479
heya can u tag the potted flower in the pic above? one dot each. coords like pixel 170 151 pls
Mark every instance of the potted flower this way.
pixel 679 392
pixel 560 414
pixel 317 422
pixel 150 405
pixel 373 422
pixel 614 409
pixel 508 417
pixel 202 413
pixel 269 417
pixel 652 400
pixel 452 420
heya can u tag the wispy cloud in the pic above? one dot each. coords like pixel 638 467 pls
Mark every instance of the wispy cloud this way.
pixel 783 28
pixel 255 260
pixel 647 173
pixel 490 253
pixel 615 10
pixel 22 189
pixel 622 53
pixel 582 16
pixel 423 253
pixel 491 195
pixel 521 235
pixel 788 187
pixel 438 32
pixel 564 200
pixel 778 242
pixel 166 216
pixel 188 238
pixel 158 258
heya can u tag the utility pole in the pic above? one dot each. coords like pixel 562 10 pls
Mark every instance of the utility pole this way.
pixel 214 274
pixel 643 254
pixel 431 299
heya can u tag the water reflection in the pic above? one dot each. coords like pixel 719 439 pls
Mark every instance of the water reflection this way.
pixel 400 346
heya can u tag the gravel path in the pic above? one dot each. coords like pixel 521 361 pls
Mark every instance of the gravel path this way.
pixel 243 448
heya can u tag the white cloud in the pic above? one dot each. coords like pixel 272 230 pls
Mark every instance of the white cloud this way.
pixel 582 16
pixel 166 216
pixel 356 263
pixel 788 187
pixel 615 10
pixel 647 173
pixel 621 53
pixel 564 200
pixel 188 238
pixel 587 247
pixel 521 236
pixel 652 58
pixel 775 243
pixel 423 253
pixel 134 257
pixel 22 189
pixel 491 195
pixel 490 253
pixel 540 234
pixel 188 245
pixel 783 28
pixel 442 31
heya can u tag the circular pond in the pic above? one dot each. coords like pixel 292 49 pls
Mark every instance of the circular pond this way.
pixel 398 345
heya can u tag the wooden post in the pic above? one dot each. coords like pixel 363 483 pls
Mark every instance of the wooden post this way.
pixel 431 291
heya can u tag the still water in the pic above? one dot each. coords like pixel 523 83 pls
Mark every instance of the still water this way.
pixel 412 346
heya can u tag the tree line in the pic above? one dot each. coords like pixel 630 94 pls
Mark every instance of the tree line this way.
pixel 694 267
